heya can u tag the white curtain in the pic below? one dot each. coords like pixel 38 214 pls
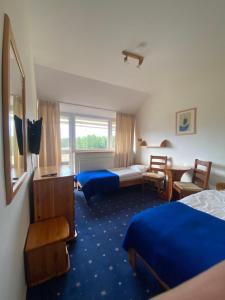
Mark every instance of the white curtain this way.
pixel 124 140
pixel 50 150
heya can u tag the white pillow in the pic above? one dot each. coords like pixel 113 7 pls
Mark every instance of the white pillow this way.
pixel 139 168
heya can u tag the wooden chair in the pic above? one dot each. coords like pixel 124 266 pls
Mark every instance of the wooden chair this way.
pixel 157 171
pixel 199 182
pixel 220 186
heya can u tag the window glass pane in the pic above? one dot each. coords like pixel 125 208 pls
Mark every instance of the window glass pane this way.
pixel 91 133
pixel 65 158
pixel 113 135
pixel 64 134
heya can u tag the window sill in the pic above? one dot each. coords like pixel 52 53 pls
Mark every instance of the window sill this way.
pixel 93 151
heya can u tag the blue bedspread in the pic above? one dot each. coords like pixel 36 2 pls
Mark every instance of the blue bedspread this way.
pixel 97 182
pixel 177 241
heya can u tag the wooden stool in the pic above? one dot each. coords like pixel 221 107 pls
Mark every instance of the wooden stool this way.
pixel 46 254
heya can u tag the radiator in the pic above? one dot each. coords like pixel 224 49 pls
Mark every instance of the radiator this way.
pixel 93 161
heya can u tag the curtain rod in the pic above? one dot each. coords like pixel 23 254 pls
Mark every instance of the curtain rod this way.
pixel 82 105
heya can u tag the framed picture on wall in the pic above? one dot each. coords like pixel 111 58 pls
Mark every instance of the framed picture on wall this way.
pixel 186 121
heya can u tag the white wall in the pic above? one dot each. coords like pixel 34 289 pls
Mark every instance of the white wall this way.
pixel 201 86
pixel 14 218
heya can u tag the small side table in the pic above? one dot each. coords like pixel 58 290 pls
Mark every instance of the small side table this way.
pixel 174 173
pixel 46 254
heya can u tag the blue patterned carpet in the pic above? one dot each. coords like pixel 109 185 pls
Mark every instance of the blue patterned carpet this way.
pixel 99 266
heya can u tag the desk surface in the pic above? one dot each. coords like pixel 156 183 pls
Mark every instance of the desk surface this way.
pixel 61 171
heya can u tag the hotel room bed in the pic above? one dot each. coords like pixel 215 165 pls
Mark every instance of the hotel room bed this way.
pixel 179 240
pixel 100 181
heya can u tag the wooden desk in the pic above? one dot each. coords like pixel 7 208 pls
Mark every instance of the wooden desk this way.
pixel 54 195
pixel 174 173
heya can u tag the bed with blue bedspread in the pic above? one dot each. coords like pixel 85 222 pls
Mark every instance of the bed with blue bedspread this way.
pixel 96 182
pixel 176 240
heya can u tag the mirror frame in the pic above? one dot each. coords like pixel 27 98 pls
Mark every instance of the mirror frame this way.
pixel 8 40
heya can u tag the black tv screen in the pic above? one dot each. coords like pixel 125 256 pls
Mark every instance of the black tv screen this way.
pixel 19 132
pixel 34 136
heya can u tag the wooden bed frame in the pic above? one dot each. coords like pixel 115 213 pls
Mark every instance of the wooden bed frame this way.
pixel 125 183
pixel 132 254
pixel 132 258
pixel 131 182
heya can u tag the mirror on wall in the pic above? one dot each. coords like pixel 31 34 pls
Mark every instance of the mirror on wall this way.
pixel 13 114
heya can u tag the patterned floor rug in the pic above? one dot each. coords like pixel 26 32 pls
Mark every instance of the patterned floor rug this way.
pixel 99 265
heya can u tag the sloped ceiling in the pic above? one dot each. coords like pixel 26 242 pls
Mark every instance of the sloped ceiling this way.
pixel 85 38
pixel 69 88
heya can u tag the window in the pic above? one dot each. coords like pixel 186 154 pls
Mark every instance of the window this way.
pixel 113 136
pixel 65 141
pixel 84 133
pixel 91 133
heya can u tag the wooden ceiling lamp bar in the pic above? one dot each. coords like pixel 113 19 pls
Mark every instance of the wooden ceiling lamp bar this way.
pixel 139 57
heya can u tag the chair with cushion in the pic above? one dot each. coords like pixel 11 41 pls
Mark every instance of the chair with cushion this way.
pixel 200 180
pixel 220 186
pixel 156 172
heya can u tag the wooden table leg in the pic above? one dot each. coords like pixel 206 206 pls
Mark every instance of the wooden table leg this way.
pixel 172 175
pixel 167 194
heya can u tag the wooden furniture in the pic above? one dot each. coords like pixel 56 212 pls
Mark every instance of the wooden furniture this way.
pixel 156 173
pixel 205 286
pixel 46 253
pixel 124 183
pixel 220 186
pixel 131 182
pixel 54 195
pixel 163 144
pixel 132 258
pixel 173 173
pixel 14 112
pixel 199 182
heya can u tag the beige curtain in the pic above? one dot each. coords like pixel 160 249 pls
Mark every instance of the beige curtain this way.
pixel 124 140
pixel 50 151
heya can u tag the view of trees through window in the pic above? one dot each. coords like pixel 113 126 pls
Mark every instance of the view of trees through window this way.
pixel 91 142
pixel 86 133
pixel 91 133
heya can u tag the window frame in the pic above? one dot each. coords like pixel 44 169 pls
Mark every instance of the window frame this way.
pixel 72 135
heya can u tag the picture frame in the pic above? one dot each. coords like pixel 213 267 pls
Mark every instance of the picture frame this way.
pixel 186 121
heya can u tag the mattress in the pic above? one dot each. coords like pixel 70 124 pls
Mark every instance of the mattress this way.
pixel 128 173
pixel 209 201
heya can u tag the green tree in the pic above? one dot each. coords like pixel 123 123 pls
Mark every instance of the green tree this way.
pixel 91 142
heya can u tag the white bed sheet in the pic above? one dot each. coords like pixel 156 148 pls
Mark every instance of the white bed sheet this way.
pixel 210 201
pixel 127 173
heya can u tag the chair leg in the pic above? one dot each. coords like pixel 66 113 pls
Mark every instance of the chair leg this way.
pixel 143 187
pixel 158 187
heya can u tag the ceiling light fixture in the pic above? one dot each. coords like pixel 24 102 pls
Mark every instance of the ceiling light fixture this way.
pixel 139 57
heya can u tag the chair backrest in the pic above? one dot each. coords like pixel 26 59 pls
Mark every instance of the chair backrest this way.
pixel 201 173
pixel 158 163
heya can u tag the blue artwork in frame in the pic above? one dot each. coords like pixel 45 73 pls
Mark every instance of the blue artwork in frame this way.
pixel 186 122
